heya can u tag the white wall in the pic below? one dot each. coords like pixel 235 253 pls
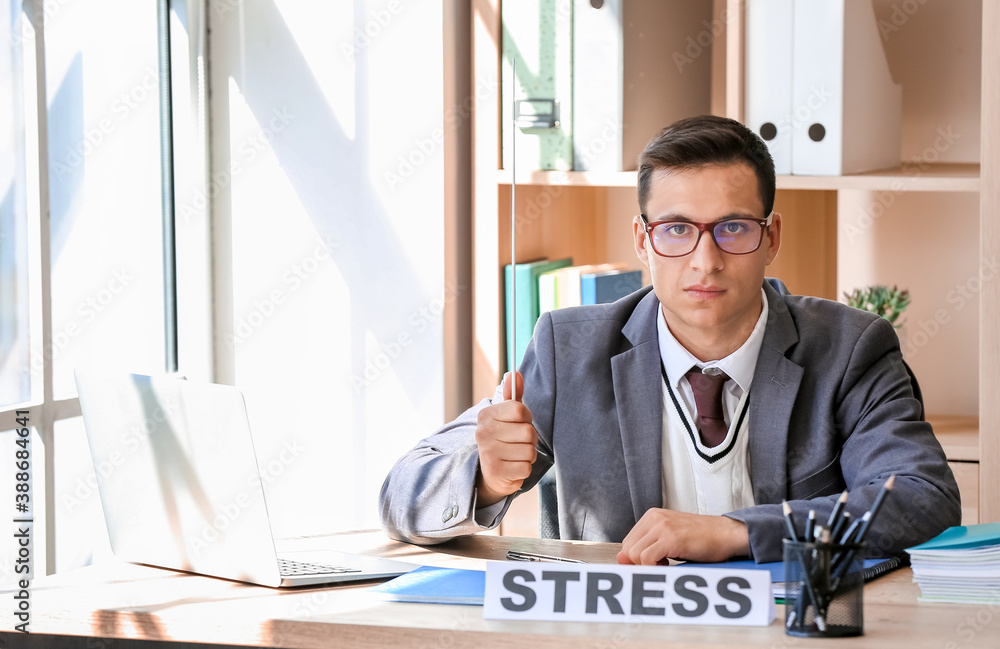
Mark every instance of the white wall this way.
pixel 327 172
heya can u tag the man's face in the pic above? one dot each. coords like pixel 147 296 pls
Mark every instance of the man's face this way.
pixel 710 298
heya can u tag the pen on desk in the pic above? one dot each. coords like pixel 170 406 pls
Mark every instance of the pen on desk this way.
pixel 515 555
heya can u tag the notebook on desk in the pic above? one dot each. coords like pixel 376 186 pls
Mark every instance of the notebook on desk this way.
pixel 872 568
pixel 181 489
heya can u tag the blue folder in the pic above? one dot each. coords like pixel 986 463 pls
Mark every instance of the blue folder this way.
pixel 432 585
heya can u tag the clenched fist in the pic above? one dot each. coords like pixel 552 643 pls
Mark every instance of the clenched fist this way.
pixel 506 441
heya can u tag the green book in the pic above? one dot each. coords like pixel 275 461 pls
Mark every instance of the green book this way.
pixel 528 306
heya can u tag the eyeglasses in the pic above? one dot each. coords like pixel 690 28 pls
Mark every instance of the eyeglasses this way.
pixel 679 238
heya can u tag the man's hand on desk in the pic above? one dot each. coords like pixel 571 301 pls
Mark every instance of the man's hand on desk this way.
pixel 665 534
pixel 506 441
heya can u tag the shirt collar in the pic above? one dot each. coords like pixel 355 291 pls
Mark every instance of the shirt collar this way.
pixel 739 365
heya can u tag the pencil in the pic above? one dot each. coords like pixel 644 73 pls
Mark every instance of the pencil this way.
pixel 852 531
pixel 842 522
pixel 877 505
pixel 838 509
pixel 810 527
pixel 786 508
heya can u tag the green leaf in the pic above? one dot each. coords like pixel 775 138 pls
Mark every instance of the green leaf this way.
pixel 881 300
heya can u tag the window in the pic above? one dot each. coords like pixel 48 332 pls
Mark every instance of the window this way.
pixel 86 287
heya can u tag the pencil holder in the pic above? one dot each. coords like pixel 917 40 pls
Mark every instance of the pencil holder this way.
pixel 824 584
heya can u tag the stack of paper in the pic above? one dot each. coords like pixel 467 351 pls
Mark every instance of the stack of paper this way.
pixel 962 564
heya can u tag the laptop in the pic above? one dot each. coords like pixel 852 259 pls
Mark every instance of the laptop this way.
pixel 181 488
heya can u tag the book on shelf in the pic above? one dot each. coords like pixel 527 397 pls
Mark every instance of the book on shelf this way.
pixel 607 286
pixel 560 288
pixel 528 308
pixel 962 565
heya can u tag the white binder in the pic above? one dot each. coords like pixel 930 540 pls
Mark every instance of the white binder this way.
pixel 768 97
pixel 845 107
pixel 598 64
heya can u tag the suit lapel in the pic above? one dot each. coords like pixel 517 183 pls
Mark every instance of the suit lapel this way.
pixel 772 396
pixel 639 400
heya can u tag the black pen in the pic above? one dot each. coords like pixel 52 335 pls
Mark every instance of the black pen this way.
pixel 810 527
pixel 515 555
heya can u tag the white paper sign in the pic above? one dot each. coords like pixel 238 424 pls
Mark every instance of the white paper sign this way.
pixel 617 593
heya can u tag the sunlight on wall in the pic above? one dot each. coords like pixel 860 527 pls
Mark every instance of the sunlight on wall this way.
pixel 105 226
pixel 338 275
pixel 104 187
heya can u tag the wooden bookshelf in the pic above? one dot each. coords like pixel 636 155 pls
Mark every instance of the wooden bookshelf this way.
pixel 948 61
pixel 911 178
pixel 959 436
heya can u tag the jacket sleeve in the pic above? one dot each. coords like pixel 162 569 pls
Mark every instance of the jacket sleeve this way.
pixel 884 435
pixel 429 495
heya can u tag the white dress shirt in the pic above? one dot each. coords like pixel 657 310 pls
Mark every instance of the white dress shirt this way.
pixel 696 478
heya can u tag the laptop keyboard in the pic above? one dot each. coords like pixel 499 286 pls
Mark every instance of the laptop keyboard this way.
pixel 289 568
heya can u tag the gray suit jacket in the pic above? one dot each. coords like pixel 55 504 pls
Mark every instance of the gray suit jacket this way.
pixel 831 407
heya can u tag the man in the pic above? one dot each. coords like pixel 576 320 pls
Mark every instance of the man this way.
pixel 679 418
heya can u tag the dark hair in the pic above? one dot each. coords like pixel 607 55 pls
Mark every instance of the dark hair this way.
pixel 704 140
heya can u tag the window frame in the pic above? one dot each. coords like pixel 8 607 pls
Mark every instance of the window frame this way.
pixel 190 327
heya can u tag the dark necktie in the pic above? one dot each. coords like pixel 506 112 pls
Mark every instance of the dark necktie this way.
pixel 707 390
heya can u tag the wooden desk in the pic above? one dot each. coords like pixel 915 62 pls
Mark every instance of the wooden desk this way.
pixel 126 601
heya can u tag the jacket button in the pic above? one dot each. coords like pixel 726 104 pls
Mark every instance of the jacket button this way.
pixel 446 515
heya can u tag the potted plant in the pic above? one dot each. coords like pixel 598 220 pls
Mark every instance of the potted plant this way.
pixel 881 300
